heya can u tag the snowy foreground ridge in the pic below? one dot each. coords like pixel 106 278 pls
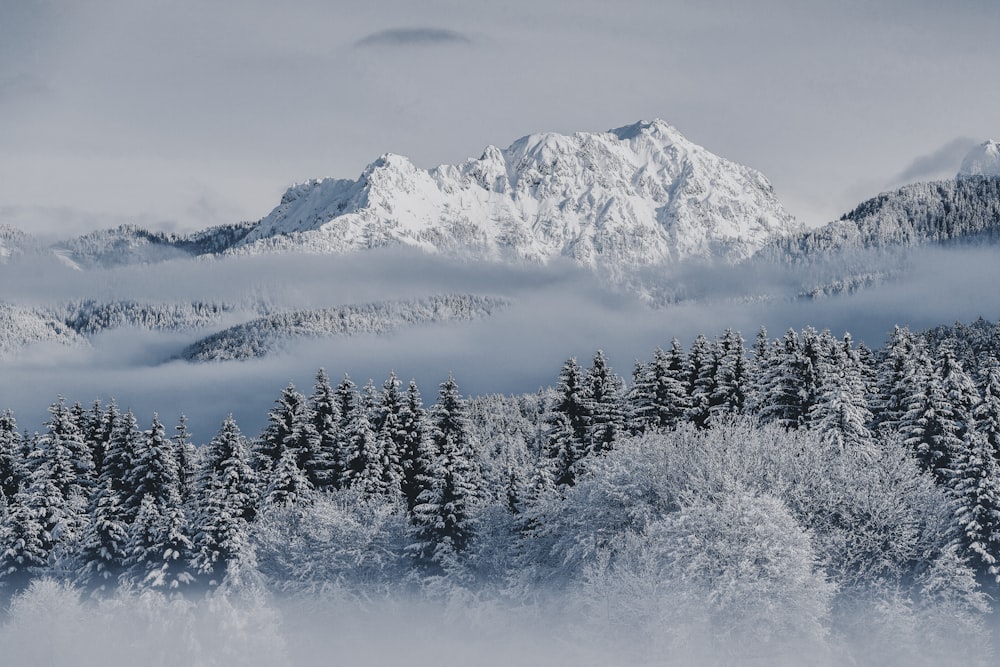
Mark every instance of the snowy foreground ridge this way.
pixel 640 194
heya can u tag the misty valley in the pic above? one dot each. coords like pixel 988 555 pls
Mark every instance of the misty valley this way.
pixel 179 484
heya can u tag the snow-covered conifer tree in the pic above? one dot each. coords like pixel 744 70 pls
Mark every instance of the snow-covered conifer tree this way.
pixel 605 402
pixel 416 452
pixel 226 503
pixel 12 469
pixel 326 424
pixel 441 525
pixel 365 463
pixel 568 423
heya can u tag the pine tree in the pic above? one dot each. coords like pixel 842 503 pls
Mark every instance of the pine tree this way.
pixel 783 394
pixel 959 389
pixel 159 547
pixel 346 398
pixel 284 430
pixel 154 469
pixel 95 436
pixel 227 502
pixel 441 525
pixel 69 459
pixel 895 375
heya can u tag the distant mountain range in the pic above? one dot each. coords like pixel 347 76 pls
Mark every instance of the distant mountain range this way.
pixel 632 204
pixel 635 196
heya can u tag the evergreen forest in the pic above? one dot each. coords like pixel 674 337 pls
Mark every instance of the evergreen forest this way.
pixel 798 493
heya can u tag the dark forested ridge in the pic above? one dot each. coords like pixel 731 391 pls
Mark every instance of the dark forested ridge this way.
pixel 802 490
pixel 965 209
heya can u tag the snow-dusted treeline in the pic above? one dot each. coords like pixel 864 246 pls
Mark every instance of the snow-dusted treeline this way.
pixel 805 493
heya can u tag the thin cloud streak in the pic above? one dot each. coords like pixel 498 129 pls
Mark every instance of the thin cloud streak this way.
pixel 412 37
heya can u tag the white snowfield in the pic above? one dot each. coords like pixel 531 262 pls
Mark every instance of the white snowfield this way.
pixel 983 160
pixel 638 195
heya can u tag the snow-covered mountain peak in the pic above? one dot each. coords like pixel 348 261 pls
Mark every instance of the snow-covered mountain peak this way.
pixel 983 160
pixel 636 195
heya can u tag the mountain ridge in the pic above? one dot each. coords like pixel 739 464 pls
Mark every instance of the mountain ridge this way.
pixel 637 195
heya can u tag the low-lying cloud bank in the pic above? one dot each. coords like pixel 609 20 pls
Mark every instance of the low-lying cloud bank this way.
pixel 557 311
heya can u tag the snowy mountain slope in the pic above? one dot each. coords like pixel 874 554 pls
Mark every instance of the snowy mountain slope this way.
pixel 265 335
pixel 937 212
pixel 634 196
pixel 13 242
pixel 983 160
pixel 21 327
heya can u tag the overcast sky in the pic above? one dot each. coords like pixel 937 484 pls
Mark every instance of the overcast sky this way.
pixel 179 114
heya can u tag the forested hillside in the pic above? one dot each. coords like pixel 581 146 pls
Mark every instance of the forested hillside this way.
pixel 805 493
pixel 965 209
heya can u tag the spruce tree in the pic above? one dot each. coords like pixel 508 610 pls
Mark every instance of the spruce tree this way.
pixel 987 413
pixel 227 503
pixel 659 394
pixel 441 523
pixel 782 393
pixel 365 460
pixel 702 359
pixel 977 488
pixel 732 377
pixel 391 435
pixel 929 426
pixel 895 375
pixel 123 447
pixel 841 415
pixel 568 423
pixel 326 424
pixel 159 546
pixel 605 402
pixel 104 547
pixel 288 485
pixel 417 454
pixel 12 468
pixel 26 540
